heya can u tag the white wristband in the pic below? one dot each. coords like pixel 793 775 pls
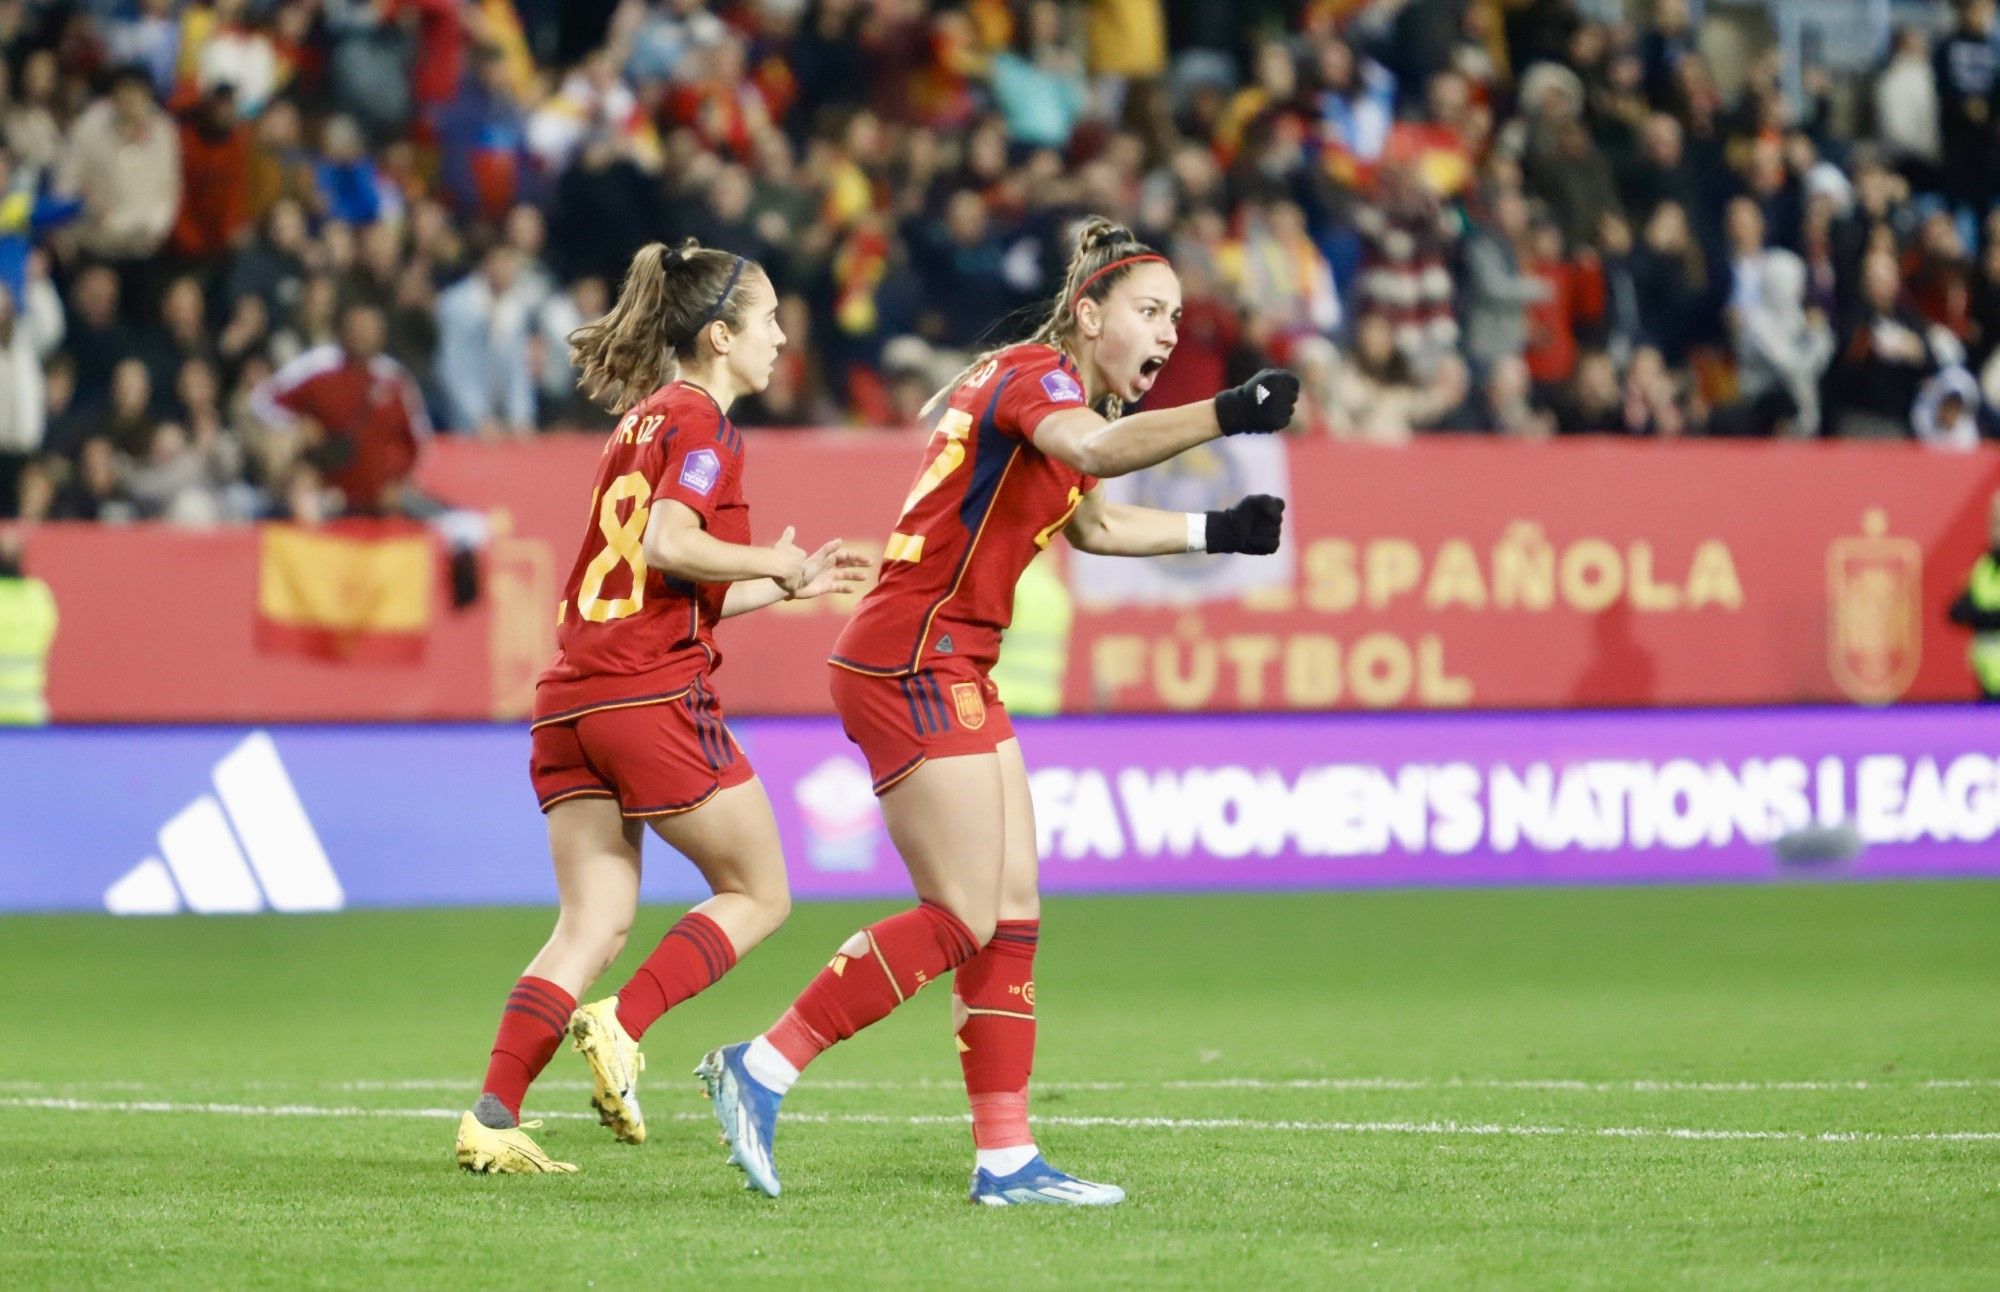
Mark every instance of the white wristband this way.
pixel 1197 535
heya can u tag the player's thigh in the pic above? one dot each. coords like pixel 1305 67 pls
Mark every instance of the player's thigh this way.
pixel 1020 866
pixel 732 839
pixel 947 819
pixel 596 854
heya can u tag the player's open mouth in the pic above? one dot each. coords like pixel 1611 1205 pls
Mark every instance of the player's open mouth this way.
pixel 1151 367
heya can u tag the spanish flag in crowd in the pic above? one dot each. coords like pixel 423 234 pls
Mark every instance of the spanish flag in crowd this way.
pixel 357 591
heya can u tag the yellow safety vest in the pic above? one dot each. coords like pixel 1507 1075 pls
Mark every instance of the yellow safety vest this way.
pixel 1984 590
pixel 1034 651
pixel 27 629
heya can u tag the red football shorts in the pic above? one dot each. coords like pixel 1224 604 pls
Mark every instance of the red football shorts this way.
pixel 656 758
pixel 899 722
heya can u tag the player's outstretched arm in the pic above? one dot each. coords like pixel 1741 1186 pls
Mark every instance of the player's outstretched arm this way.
pixel 832 568
pixel 1084 440
pixel 676 544
pixel 1254 525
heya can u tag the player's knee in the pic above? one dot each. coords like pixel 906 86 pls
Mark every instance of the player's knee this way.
pixel 593 939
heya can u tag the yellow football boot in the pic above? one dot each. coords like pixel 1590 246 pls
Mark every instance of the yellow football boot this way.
pixel 615 1065
pixel 486 1150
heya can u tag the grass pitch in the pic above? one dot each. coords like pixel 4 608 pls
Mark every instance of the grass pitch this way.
pixel 1777 1087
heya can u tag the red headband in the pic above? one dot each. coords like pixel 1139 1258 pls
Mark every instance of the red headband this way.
pixel 1075 300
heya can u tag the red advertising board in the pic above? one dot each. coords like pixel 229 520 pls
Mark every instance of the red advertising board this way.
pixel 1467 573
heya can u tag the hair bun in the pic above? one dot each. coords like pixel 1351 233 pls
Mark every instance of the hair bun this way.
pixel 1099 233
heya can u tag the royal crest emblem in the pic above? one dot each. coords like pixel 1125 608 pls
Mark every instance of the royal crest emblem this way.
pixel 1874 611
pixel 970 704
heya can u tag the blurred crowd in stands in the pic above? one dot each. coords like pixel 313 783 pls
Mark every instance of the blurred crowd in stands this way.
pixel 254 251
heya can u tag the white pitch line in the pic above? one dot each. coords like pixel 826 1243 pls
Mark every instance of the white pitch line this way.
pixel 1120 1123
pixel 1553 1084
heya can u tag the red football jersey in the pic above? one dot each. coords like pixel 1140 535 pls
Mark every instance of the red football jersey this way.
pixel 625 631
pixel 986 501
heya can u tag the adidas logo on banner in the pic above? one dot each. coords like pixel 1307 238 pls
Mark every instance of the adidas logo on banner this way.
pixel 246 847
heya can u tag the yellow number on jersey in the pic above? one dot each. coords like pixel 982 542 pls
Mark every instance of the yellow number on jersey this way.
pixel 624 541
pixel 1043 539
pixel 953 427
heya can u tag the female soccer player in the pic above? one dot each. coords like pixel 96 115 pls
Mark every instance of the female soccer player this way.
pixel 627 730
pixel 1014 459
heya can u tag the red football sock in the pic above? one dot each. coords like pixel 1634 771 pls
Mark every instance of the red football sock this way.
pixel 531 1027
pixel 896 957
pixel 996 1046
pixel 688 960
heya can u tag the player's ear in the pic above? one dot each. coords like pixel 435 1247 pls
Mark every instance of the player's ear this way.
pixel 1089 318
pixel 720 337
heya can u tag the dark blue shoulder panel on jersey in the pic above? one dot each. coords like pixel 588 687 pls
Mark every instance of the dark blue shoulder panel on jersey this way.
pixel 990 454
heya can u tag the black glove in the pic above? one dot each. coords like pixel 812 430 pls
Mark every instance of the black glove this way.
pixel 1250 526
pixel 1260 405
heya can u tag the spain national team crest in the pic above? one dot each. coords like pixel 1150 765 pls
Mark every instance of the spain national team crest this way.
pixel 1874 611
pixel 970 704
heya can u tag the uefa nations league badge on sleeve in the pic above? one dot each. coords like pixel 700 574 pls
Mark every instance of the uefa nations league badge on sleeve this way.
pixel 1061 388
pixel 702 469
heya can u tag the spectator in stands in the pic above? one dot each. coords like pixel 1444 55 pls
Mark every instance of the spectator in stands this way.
pixel 1507 401
pixel 369 68
pixel 1356 100
pixel 28 124
pixel 1282 275
pixel 215 171
pixel 528 234
pixel 1592 404
pixel 1375 395
pixel 65 427
pixel 557 400
pixel 1940 277
pixel 279 166
pixel 97 338
pixel 962 261
pixel 483 365
pixel 181 334
pixel 483 141
pixel 124 160
pixel 1949 414
pixel 1781 345
pixel 350 185
pixel 1671 275
pixel 1575 297
pixel 353 413
pixel 1885 357
pixel 1662 172
pixel 1907 111
pixel 273 266
pixel 1039 84
pixel 1967 70
pixel 92 490
pixel 604 210
pixel 1408 241
pixel 148 41
pixel 129 418
pixel 23 413
pixel 1498 290
pixel 183 482
pixel 233 49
